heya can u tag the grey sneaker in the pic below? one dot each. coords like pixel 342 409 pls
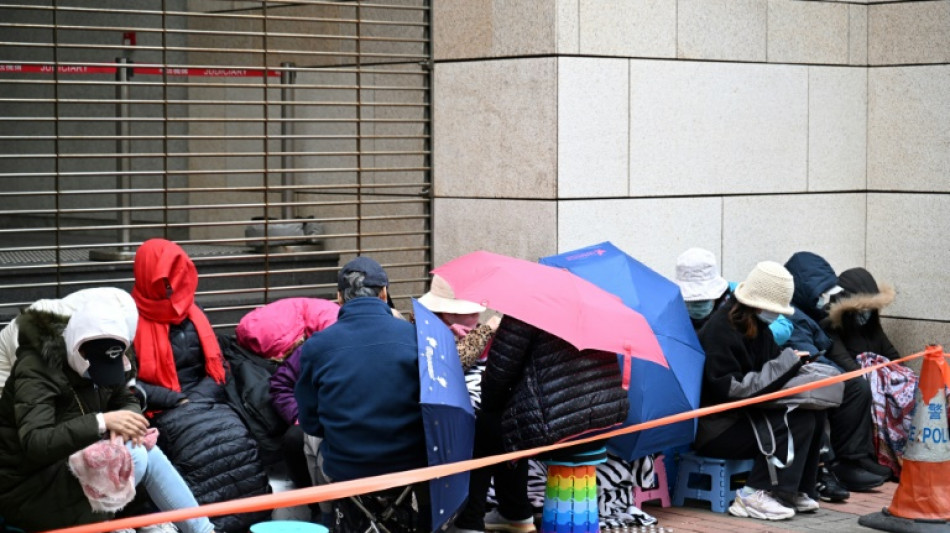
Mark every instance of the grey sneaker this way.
pixel 801 502
pixel 759 504
pixel 494 521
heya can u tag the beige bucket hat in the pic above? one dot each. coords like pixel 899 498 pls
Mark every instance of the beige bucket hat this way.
pixel 441 299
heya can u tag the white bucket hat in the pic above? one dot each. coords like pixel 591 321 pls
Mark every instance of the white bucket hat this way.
pixel 697 274
pixel 768 287
pixel 441 299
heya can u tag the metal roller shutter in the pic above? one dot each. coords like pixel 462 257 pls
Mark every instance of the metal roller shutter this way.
pixel 272 140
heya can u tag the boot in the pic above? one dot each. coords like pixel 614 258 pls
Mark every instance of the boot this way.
pixel 855 478
pixel 829 489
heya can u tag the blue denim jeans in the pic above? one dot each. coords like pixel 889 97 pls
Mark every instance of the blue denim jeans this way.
pixel 165 486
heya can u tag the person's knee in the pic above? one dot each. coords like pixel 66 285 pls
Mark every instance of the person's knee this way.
pixel 139 461
pixel 857 391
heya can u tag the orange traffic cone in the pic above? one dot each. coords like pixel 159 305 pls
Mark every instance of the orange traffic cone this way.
pixel 922 500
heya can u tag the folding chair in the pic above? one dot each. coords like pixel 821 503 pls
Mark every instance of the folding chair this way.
pixel 397 510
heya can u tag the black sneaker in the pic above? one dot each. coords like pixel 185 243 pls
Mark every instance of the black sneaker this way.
pixel 829 490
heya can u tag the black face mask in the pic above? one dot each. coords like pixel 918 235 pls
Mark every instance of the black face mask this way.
pixel 863 317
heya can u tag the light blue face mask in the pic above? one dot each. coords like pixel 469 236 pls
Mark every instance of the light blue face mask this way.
pixel 862 317
pixel 767 316
pixel 701 309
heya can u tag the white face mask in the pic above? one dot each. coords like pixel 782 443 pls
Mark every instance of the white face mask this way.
pixel 767 316
pixel 862 317
pixel 825 298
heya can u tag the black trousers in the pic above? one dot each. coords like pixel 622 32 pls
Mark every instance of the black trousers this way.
pixel 295 459
pixel 739 442
pixel 851 424
pixel 296 462
pixel 511 480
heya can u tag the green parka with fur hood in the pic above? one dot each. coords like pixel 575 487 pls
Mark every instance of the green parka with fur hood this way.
pixel 48 412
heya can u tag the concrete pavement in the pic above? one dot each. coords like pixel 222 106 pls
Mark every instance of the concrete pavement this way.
pixel 832 517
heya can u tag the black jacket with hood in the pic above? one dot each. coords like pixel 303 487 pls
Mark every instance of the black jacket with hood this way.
pixel 861 293
pixel 549 390
pixel 47 413
pixel 738 367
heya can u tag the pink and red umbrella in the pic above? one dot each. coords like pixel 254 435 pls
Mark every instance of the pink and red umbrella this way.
pixel 554 300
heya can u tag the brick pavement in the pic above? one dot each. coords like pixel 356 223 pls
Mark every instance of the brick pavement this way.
pixel 838 518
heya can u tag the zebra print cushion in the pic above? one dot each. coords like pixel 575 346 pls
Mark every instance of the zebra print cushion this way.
pixel 615 482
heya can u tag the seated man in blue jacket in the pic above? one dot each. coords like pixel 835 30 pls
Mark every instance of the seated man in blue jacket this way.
pixel 359 383
pixel 851 440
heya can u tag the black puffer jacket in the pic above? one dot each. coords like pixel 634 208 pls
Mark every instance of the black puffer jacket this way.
pixel 205 438
pixel 549 390
pixel 861 293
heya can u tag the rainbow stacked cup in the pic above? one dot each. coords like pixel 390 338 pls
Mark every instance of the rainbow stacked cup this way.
pixel 570 503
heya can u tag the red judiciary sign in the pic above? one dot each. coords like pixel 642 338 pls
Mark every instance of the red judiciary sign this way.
pixel 145 71
pixel 62 69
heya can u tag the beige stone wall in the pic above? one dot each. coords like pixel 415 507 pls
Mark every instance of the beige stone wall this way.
pixel 909 165
pixel 753 128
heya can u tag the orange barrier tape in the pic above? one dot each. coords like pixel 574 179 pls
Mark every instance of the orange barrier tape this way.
pixel 343 489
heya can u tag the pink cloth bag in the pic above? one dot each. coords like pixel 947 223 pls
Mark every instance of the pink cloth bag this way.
pixel 106 473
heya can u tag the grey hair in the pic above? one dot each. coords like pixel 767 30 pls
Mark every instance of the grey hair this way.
pixel 356 289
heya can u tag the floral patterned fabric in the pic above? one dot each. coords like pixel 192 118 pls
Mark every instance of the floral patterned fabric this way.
pixel 892 408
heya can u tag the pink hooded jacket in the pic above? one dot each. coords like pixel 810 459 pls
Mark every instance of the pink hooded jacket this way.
pixel 274 330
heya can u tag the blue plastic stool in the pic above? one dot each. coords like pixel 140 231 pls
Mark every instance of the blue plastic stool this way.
pixel 288 526
pixel 709 479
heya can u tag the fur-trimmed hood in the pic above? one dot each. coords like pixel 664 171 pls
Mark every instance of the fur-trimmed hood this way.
pixel 861 293
pixel 42 333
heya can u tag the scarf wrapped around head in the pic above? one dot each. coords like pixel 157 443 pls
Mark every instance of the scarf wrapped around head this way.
pixel 164 292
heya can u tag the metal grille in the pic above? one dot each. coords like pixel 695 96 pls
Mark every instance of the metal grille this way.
pixel 273 140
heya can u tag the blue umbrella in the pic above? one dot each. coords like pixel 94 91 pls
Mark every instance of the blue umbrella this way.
pixel 447 414
pixel 654 391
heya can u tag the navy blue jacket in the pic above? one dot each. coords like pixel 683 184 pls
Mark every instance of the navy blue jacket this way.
pixel 813 276
pixel 359 391
pixel 807 335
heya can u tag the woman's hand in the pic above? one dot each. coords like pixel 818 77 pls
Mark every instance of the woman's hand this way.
pixel 126 424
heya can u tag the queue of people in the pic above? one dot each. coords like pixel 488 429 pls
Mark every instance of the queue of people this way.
pixel 140 380
pixel 829 319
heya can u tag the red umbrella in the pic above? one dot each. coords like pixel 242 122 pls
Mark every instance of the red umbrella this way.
pixel 554 300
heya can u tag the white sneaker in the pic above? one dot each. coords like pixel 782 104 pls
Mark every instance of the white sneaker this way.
pixel 164 527
pixel 494 521
pixel 800 501
pixel 759 504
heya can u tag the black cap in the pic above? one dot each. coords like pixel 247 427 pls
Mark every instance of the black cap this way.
pixel 106 365
pixel 374 275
